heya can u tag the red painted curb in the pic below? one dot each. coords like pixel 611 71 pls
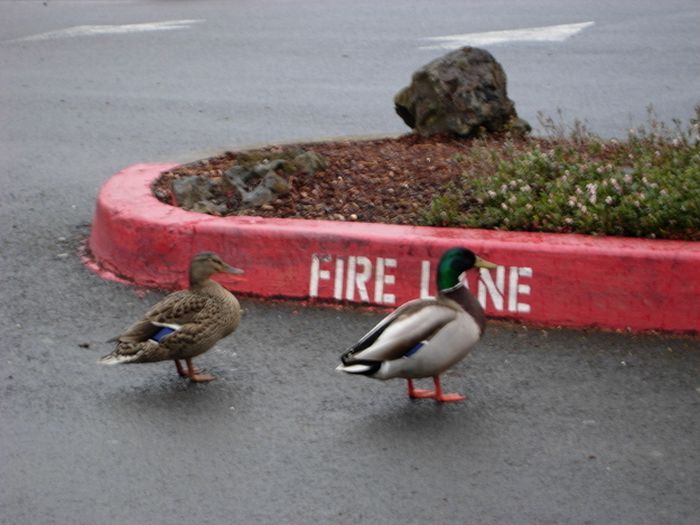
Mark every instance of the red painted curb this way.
pixel 544 279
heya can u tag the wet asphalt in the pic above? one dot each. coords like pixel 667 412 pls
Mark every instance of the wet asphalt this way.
pixel 560 426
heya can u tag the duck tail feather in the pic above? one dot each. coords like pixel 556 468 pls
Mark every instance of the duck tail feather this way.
pixel 366 368
pixel 116 359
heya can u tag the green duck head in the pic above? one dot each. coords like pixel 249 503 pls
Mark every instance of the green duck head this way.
pixel 454 262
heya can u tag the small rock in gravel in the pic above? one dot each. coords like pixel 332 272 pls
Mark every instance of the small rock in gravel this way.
pixel 275 183
pixel 190 190
pixel 310 162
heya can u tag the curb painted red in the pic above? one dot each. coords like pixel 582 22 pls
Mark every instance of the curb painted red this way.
pixel 542 279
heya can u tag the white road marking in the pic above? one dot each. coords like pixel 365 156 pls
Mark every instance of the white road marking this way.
pixel 77 31
pixel 557 33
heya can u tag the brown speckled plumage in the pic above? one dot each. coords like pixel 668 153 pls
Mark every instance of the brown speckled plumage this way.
pixel 204 313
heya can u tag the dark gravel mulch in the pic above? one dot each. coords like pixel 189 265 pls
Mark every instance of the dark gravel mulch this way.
pixel 390 180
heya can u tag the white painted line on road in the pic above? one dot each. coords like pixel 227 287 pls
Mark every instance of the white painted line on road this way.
pixel 71 32
pixel 557 33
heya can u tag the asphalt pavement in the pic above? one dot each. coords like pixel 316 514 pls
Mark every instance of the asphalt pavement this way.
pixel 560 426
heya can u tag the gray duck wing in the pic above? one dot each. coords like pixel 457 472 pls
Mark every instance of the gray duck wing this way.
pixel 400 331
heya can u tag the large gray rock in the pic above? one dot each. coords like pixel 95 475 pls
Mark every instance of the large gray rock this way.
pixel 459 93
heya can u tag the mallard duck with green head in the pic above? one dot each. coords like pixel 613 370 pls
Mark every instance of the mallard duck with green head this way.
pixel 184 324
pixel 425 337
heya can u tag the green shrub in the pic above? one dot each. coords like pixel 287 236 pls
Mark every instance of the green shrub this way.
pixel 645 186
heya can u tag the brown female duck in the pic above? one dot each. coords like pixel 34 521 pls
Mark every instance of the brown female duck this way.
pixel 184 324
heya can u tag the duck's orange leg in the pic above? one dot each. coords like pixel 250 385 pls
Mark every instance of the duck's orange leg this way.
pixel 182 372
pixel 441 396
pixel 437 394
pixel 193 372
pixel 418 393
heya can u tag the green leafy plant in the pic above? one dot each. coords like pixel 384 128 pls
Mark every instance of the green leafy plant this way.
pixel 645 186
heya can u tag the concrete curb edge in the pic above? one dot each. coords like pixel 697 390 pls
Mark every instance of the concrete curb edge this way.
pixel 543 279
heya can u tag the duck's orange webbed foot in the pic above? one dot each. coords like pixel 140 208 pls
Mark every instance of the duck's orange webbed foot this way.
pixel 437 394
pixel 193 373
pixel 445 398
pixel 418 393
pixel 181 370
pixel 202 378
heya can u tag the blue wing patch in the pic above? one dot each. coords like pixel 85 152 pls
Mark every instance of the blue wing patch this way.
pixel 160 334
pixel 414 349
